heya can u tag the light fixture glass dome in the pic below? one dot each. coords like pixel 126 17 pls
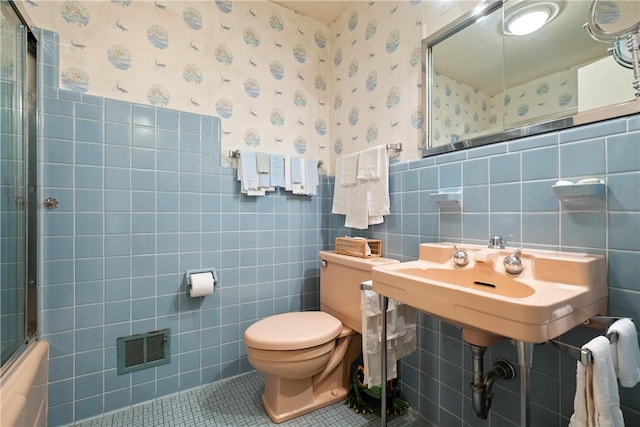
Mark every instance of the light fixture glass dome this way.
pixel 529 18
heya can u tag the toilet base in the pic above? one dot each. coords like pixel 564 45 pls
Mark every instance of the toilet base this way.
pixel 284 399
pixel 296 406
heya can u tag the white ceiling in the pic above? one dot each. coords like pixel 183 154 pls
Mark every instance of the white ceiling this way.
pixel 322 11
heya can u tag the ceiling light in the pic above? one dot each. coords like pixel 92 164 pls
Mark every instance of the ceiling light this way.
pixel 529 18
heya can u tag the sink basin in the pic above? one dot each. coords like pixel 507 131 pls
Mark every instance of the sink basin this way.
pixel 555 292
pixel 469 278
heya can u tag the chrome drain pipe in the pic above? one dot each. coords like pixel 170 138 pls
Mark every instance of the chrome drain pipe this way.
pixel 482 385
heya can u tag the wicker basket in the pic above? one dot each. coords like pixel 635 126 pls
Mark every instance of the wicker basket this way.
pixel 358 247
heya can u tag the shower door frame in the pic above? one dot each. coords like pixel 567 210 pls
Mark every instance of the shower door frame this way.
pixel 28 45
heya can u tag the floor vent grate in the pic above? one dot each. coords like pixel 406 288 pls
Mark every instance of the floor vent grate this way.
pixel 143 351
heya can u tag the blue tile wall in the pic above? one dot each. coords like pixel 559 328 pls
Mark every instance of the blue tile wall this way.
pixel 142 199
pixel 506 190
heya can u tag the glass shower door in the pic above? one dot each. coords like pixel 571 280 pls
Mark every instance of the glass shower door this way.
pixel 13 183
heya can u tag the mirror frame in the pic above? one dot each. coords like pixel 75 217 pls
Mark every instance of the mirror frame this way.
pixel 581 118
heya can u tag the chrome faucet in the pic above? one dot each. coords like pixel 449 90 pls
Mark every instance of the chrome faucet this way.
pixel 513 263
pixel 496 242
pixel 460 258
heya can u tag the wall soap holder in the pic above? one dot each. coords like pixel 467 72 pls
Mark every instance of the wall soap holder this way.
pixel 449 198
pixel 585 191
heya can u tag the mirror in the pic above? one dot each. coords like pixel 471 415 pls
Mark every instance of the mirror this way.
pixel 485 84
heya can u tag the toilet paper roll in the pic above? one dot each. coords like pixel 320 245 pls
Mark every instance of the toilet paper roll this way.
pixel 201 284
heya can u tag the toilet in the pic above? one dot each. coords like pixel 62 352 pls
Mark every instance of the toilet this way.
pixel 306 356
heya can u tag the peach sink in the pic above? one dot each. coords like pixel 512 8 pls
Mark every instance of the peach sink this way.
pixel 555 292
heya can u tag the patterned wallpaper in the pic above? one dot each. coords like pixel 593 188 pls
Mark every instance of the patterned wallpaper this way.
pixel 459 111
pixel 258 66
pixel 462 112
pixel 376 77
pixel 279 81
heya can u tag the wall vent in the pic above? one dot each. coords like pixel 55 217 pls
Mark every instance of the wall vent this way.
pixel 142 351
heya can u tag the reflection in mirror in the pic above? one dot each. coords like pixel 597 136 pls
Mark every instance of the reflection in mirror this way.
pixel 610 19
pixel 618 22
pixel 465 81
pixel 486 84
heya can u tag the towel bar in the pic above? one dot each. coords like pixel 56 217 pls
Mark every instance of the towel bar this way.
pixel 234 154
pixel 584 355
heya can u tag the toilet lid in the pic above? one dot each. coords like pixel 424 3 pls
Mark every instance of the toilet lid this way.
pixel 293 331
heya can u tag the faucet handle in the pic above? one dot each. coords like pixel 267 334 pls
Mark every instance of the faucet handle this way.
pixel 460 258
pixel 496 242
pixel 513 263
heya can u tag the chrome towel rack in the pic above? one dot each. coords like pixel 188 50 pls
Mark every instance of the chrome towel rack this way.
pixel 234 154
pixel 583 355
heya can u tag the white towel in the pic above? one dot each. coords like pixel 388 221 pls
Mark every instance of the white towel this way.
pixel 597 402
pixel 369 163
pixel 287 173
pixel 378 193
pixel 349 171
pixel 248 171
pixel 626 355
pixel 298 167
pixel 401 336
pixel 248 178
pixel 262 167
pixel 364 202
pixel 339 191
pixel 357 216
pixel 350 193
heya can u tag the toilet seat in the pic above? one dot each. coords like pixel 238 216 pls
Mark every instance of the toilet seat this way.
pixel 293 331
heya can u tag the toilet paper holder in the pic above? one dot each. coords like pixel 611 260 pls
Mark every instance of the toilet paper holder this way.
pixel 188 274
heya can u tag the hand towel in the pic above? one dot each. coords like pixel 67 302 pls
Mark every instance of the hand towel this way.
pixel 349 171
pixel 262 162
pixel 357 216
pixel 371 340
pixel 626 355
pixel 597 402
pixel 339 191
pixel 401 337
pixel 296 170
pixel 298 187
pixel 369 163
pixel 262 166
pixel 378 201
pixel 310 177
pixel 287 173
pixel 276 170
pixel 248 171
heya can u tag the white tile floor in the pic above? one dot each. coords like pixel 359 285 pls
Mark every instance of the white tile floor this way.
pixel 236 402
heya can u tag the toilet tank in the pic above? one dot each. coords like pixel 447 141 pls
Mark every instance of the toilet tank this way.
pixel 340 278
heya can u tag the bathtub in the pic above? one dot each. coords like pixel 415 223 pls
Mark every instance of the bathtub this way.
pixel 23 393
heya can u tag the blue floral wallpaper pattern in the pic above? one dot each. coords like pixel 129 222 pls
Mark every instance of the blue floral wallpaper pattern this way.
pixel 461 112
pixel 280 82
pixel 260 67
pixel 376 60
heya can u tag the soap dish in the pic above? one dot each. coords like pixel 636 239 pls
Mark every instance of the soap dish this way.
pixel 582 193
pixel 449 197
pixel 579 190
